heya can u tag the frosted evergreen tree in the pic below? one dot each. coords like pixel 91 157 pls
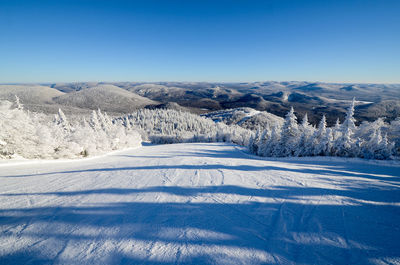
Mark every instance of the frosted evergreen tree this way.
pixel 349 122
pixel 385 148
pixel 394 135
pixel 377 147
pixel 345 145
pixel 254 141
pixel 337 129
pixel 264 142
pixel 33 136
pixel 290 135
pixel 366 129
pixel 306 131
pixel 94 121
pixel 19 132
pixel 372 145
pixel 102 120
pixel 107 120
pixel 270 147
pixel 3 131
pixel 318 137
pixel 170 126
pixel 61 120
pixel 18 104
pixel 326 143
pixel 336 134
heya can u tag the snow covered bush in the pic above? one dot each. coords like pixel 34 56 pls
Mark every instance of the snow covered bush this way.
pixel 33 135
pixel 376 140
pixel 172 126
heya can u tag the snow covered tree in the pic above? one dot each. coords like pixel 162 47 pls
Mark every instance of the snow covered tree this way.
pixel 271 146
pixel 33 135
pixel 94 121
pixel 345 145
pixel 377 147
pixel 170 126
pixel 254 142
pixel 306 131
pixel 290 135
pixel 18 104
pixel 366 129
pixel 61 120
pixel 394 135
pixel 319 138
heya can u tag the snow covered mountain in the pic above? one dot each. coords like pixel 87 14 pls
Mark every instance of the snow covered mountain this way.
pixel 106 97
pixel 29 94
pixel 314 98
pixel 37 98
pixel 199 204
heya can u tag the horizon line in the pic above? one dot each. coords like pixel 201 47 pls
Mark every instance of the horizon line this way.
pixel 218 82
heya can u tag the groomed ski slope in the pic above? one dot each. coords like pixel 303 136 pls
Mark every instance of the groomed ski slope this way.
pixel 199 204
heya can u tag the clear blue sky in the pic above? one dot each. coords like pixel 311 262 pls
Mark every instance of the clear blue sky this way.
pixel 200 40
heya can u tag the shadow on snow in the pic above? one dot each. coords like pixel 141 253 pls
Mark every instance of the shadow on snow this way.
pixel 354 232
pixel 290 231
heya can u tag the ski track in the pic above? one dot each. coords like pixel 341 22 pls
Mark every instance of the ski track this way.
pixel 199 204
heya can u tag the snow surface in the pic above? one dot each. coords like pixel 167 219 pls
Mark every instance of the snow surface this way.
pixel 200 204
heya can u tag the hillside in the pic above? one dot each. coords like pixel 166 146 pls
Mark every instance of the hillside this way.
pixel 314 98
pixel 106 97
pixel 37 98
pixel 29 94
pixel 247 118
pixel 199 204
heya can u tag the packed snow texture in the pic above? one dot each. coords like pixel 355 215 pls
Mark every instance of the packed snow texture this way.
pixel 204 203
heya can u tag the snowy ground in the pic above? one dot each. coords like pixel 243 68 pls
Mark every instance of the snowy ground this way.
pixel 201 204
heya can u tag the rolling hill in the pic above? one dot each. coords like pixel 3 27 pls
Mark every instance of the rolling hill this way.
pixel 109 98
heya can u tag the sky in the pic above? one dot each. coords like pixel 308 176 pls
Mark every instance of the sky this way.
pixel 200 40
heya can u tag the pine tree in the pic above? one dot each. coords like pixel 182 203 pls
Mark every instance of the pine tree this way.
pixel 319 136
pixel 61 120
pixel 94 121
pixel 394 134
pixel 306 132
pixel 254 142
pixel 264 142
pixel 345 145
pixel 290 135
pixel 18 104
pixel 270 147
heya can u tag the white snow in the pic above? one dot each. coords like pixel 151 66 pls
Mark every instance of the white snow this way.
pixel 199 204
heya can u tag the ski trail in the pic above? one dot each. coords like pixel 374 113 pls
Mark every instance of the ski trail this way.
pixel 198 204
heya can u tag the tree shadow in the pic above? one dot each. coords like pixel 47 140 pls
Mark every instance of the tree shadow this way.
pixel 318 170
pixel 283 229
pixel 348 168
pixel 357 224
pixel 369 193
